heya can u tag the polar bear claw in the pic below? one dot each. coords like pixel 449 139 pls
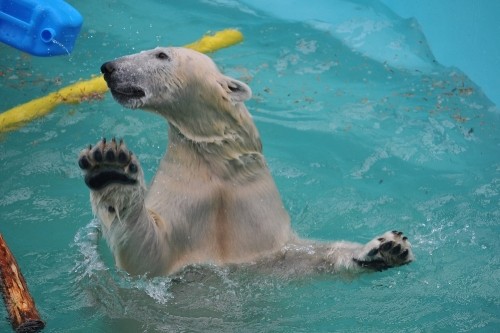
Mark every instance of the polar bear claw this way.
pixel 107 163
pixel 389 250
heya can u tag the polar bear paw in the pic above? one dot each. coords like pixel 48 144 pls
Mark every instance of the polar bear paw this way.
pixel 108 163
pixel 389 250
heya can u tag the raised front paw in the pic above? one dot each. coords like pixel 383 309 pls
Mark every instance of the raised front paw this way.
pixel 389 250
pixel 108 163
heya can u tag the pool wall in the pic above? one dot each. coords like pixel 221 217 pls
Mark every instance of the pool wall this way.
pixel 463 34
pixel 460 33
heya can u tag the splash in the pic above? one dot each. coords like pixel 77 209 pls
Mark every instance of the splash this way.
pixel 61 45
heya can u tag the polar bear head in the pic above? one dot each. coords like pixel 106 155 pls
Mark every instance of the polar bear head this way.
pixel 182 85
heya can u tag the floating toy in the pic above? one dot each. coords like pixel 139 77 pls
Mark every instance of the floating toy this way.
pixel 95 88
pixel 216 41
pixel 39 27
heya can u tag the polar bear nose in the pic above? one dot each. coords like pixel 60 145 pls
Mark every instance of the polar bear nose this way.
pixel 107 67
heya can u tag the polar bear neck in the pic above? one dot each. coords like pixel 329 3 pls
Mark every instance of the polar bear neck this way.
pixel 224 127
pixel 232 157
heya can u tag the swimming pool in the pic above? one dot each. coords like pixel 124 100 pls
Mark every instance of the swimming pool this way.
pixel 357 146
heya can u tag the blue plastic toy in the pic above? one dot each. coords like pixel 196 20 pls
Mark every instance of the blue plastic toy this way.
pixel 40 27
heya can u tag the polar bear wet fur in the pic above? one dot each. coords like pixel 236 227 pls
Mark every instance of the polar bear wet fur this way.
pixel 213 199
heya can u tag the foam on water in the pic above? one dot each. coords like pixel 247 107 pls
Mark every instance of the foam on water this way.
pixel 357 145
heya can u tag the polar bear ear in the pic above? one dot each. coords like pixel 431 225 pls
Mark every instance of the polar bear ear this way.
pixel 237 90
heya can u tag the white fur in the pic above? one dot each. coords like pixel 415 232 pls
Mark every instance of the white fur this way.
pixel 212 199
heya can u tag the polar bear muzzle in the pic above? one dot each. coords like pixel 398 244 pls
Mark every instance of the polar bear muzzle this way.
pixel 123 93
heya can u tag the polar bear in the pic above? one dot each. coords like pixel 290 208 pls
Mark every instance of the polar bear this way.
pixel 213 199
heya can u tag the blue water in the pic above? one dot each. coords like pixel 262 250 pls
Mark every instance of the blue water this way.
pixel 357 146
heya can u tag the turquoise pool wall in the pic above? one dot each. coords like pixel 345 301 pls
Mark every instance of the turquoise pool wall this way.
pixel 460 33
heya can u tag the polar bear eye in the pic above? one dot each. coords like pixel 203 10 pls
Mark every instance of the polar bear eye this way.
pixel 162 56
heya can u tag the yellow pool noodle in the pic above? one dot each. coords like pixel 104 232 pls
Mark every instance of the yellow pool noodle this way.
pixel 94 88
